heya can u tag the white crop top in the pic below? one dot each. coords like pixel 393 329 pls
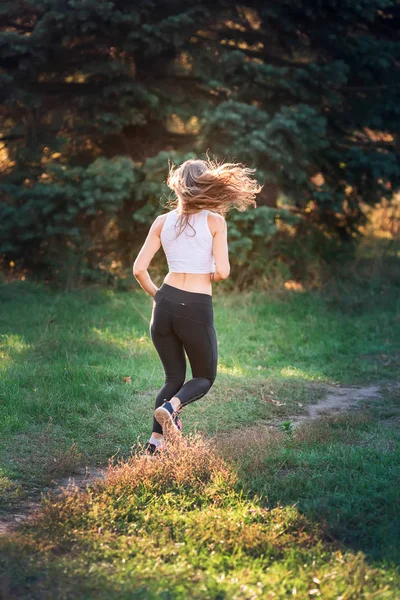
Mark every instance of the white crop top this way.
pixel 191 250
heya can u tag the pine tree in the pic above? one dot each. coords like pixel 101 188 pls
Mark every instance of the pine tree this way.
pixel 306 92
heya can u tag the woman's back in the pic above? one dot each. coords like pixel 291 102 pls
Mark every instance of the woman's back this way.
pixel 189 250
pixel 196 247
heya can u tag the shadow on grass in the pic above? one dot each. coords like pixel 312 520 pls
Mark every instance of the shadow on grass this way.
pixel 182 525
pixel 340 470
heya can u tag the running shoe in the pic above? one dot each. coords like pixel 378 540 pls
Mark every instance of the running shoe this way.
pixel 167 416
pixel 150 449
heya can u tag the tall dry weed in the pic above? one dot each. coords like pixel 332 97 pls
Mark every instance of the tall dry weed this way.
pixel 184 461
pixel 189 463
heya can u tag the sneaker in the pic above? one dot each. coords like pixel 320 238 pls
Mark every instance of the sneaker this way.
pixel 150 449
pixel 167 416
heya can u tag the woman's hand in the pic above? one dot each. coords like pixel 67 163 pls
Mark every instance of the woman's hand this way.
pixel 145 282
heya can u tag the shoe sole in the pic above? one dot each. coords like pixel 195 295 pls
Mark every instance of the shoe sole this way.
pixel 163 417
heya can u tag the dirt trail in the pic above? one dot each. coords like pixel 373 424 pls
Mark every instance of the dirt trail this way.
pixel 338 398
pixel 86 476
pixel 341 398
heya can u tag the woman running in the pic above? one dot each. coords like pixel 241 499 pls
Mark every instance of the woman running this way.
pixel 194 239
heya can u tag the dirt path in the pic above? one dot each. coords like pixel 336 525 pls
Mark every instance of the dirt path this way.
pixel 341 398
pixel 337 399
pixel 11 520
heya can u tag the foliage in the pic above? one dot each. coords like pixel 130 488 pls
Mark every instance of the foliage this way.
pixel 304 92
pixel 287 427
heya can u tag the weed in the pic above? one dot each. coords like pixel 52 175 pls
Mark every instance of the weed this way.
pixel 180 526
pixel 287 427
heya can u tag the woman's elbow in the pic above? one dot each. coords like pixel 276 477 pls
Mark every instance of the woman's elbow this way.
pixel 221 274
pixel 137 270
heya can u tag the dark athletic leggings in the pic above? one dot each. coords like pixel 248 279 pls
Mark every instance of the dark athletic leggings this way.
pixel 182 322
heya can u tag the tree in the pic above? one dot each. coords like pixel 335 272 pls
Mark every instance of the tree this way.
pixel 306 92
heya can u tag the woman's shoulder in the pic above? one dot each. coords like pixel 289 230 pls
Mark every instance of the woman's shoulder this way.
pixel 216 216
pixel 216 222
pixel 159 221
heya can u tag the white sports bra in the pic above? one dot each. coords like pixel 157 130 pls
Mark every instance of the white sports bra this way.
pixel 191 250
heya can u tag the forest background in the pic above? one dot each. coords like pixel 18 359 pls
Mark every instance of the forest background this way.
pixel 97 98
pixel 291 490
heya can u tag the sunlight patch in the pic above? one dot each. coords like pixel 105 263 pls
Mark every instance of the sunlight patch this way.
pixel 294 372
pixel 235 370
pixel 131 342
pixel 9 346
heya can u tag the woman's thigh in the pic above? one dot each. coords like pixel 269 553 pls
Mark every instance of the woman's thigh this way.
pixel 168 345
pixel 193 324
pixel 200 343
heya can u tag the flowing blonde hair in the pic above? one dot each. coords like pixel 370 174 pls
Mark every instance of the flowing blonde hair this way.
pixel 210 184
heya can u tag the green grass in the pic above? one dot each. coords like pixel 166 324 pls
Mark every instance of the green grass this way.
pixel 309 514
pixel 65 356
pixel 342 470
pixel 261 513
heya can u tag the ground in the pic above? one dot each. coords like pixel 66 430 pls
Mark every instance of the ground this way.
pixel 338 398
pixel 286 481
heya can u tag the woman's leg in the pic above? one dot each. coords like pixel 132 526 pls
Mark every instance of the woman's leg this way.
pixel 200 343
pixel 191 318
pixel 171 352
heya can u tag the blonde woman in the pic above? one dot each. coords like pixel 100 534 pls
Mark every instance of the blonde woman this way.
pixel 194 239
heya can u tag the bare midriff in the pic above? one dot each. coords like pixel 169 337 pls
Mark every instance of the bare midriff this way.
pixel 190 282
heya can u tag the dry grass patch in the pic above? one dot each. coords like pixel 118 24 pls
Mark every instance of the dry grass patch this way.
pixel 249 447
pixel 187 464
pixel 329 428
pixel 181 526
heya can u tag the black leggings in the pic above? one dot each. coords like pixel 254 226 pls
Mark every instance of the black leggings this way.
pixel 184 321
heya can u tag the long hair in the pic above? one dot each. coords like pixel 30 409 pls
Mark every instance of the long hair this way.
pixel 210 184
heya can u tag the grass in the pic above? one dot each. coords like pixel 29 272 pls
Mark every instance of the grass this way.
pixel 300 522
pixel 65 357
pixel 250 512
pixel 341 470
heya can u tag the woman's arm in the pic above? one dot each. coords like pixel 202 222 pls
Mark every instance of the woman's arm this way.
pixel 151 245
pixel 220 250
